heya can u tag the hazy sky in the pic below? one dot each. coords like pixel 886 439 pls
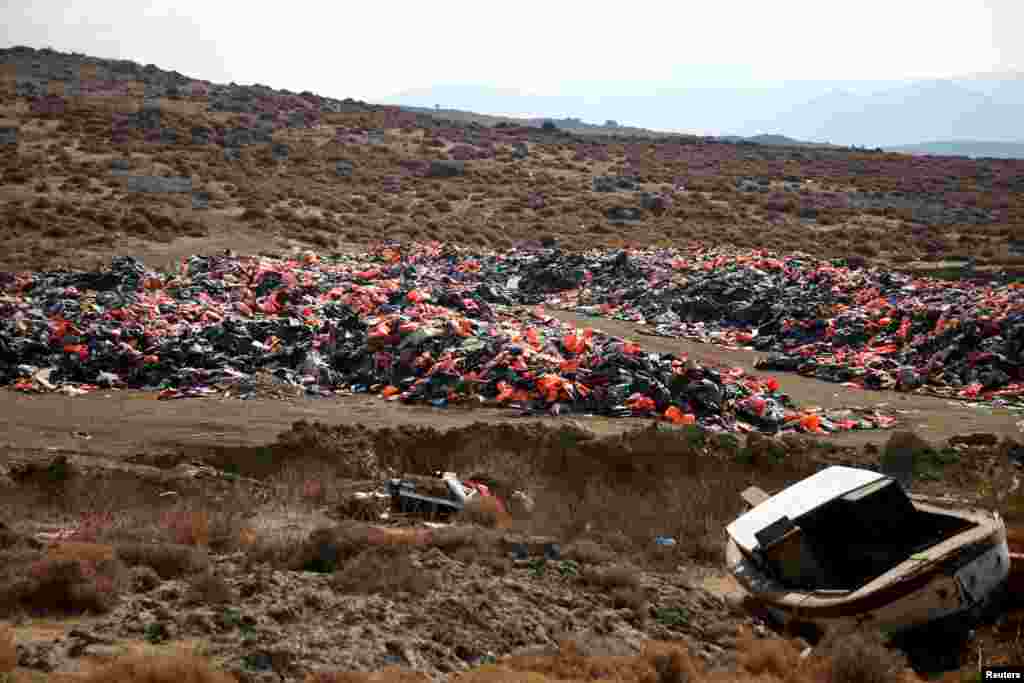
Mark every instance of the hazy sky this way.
pixel 370 50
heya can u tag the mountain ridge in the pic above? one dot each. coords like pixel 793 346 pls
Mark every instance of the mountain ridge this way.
pixel 891 115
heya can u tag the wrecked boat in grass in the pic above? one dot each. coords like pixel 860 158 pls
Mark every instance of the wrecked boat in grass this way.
pixel 850 546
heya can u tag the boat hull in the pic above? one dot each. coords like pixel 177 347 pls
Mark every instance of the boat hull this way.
pixel 1015 540
pixel 954 581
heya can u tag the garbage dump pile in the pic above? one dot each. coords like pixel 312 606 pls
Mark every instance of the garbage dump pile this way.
pixel 866 327
pixel 440 325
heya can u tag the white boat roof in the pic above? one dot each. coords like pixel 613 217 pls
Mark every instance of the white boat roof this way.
pixel 799 499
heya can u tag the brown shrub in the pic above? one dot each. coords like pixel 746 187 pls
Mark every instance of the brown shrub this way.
pixel 666 662
pixel 8 653
pixel 859 657
pixel 209 588
pixel 630 598
pixel 326 549
pixel 167 559
pixel 187 527
pixel 674 668
pixel 253 214
pixel 178 668
pixel 471 545
pixel 487 512
pixel 772 656
pixel 866 248
pixel 586 551
pixel 902 257
pixel 86 552
pixel 383 569
pixel 619 576
pixel 194 228
pixel 496 562
pixel 391 674
pixel 143 579
pixel 454 538
pixel 63 583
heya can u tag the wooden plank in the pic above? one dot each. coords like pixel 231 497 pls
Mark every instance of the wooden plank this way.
pixel 754 496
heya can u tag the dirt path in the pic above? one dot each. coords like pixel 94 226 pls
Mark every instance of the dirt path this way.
pixel 127 423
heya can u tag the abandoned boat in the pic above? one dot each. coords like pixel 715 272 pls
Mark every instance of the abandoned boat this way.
pixel 849 545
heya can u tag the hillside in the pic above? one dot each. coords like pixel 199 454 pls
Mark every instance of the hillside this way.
pixel 278 168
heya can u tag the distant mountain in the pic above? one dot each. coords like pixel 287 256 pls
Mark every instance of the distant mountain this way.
pixel 609 127
pixel 919 112
pixel 774 140
pixel 572 124
pixel 965 148
pixel 986 107
pixel 697 110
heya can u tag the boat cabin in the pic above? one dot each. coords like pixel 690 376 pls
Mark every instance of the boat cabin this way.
pixel 837 530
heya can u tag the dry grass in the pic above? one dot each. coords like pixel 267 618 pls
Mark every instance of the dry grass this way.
pixel 143 579
pixel 8 653
pixel 178 668
pixel 589 487
pixel 767 656
pixel 632 598
pixel 760 660
pixel 325 549
pixel 486 512
pixel 71 578
pixel 385 569
pixel 168 560
pixel 388 675
pixel 859 657
pixel 328 548
pixel 587 551
pixel 85 552
pixel 690 509
pixel 188 527
pixel 659 662
pixel 209 588
pixel 609 578
pixel 450 539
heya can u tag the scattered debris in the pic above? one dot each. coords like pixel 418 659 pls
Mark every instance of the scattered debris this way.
pixel 406 499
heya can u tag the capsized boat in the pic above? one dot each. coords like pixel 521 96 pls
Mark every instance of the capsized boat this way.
pixel 850 545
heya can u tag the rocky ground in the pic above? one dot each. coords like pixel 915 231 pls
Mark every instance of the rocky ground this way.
pixel 216 530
